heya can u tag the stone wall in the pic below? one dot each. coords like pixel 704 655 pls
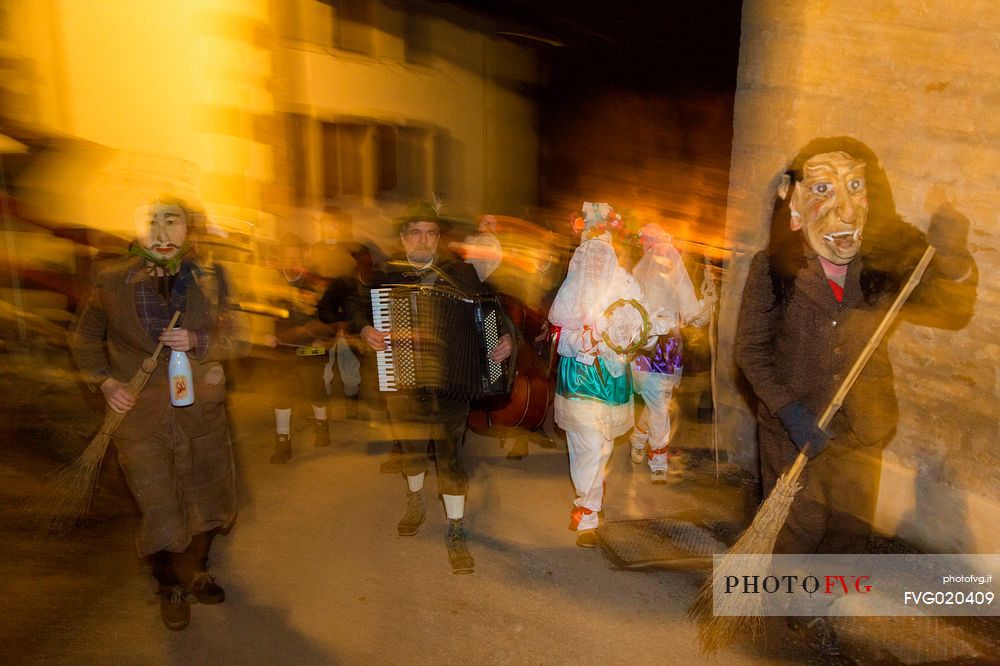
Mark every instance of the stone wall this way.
pixel 919 82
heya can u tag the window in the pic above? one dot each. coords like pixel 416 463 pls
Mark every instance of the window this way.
pixel 353 22
pixel 298 160
pixel 448 166
pixel 343 159
pixel 403 162
pixel 411 162
pixel 417 39
pixel 386 158
pixel 361 158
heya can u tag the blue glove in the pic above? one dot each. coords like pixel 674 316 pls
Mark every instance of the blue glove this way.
pixel 801 424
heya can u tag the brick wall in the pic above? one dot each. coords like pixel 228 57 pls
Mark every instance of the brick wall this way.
pixel 919 82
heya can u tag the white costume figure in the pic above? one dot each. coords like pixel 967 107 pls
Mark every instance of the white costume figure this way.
pixel 657 369
pixel 593 401
pixel 482 250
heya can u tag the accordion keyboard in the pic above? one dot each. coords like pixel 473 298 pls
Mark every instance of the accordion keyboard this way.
pixel 491 331
pixel 382 320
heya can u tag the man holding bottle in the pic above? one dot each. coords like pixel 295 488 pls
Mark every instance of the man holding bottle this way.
pixel 177 460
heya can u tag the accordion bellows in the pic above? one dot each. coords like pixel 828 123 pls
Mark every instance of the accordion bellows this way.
pixel 440 340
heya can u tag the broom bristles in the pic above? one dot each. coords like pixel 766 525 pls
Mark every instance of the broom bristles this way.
pixel 743 613
pixel 66 498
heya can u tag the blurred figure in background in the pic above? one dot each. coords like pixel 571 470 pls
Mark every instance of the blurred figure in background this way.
pixel 657 368
pixel 295 368
pixel 482 249
pixel 514 256
pixel 333 259
pixel 178 460
pixel 331 255
pixel 354 358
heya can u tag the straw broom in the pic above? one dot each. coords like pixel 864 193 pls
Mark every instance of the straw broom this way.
pixel 66 498
pixel 752 552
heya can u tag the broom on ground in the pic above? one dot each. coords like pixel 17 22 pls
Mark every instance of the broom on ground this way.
pixel 752 552
pixel 66 498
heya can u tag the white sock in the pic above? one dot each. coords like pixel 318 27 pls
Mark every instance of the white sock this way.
pixel 415 483
pixel 282 421
pixel 319 413
pixel 454 506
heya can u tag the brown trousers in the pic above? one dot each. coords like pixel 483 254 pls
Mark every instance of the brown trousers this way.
pixel 184 485
pixel 420 417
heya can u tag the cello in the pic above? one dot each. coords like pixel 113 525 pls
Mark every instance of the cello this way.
pixel 531 392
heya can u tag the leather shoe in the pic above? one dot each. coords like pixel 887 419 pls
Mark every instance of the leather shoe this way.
pixel 206 590
pixel 818 634
pixel 282 450
pixel 586 538
pixel 415 514
pixel 394 465
pixel 321 434
pixel 175 611
pixel 519 450
pixel 458 548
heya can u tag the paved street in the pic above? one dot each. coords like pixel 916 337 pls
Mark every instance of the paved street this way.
pixel 315 573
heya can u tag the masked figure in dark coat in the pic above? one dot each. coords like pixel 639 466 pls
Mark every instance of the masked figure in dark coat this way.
pixel 838 255
pixel 178 461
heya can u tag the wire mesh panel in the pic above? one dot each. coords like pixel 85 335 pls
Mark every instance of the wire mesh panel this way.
pixel 663 541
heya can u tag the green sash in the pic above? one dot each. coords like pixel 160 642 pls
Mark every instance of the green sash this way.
pixel 579 380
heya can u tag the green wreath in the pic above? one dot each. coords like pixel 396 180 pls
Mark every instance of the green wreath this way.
pixel 647 326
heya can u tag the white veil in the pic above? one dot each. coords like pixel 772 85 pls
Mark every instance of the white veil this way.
pixel 591 285
pixel 665 282
pixel 594 282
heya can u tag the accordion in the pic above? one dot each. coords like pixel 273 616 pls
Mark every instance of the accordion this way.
pixel 439 339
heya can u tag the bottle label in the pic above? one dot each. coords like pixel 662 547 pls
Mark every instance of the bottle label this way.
pixel 180 387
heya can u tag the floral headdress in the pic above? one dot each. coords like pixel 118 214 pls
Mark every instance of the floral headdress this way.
pixel 596 218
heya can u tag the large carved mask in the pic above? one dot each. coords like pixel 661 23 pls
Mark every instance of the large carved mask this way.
pixel 830 206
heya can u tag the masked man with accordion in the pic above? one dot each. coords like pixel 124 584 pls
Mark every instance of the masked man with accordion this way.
pixel 441 341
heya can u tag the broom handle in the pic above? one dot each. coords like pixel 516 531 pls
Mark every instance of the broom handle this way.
pixel 866 353
pixel 876 338
pixel 135 385
pixel 141 376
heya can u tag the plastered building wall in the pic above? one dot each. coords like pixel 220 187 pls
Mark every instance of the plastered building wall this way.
pixel 918 82
pixel 152 97
pixel 466 84
pixel 191 96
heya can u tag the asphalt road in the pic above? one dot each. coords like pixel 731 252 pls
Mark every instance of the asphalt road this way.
pixel 315 573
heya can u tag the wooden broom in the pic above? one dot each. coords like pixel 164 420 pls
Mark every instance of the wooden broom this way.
pixel 752 552
pixel 708 292
pixel 65 500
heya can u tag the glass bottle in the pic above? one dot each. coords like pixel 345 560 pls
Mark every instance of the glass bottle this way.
pixel 181 380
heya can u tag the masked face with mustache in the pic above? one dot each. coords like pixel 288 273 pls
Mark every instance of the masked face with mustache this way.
pixel 830 206
pixel 163 230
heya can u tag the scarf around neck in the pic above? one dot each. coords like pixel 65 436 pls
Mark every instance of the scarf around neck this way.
pixel 170 266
